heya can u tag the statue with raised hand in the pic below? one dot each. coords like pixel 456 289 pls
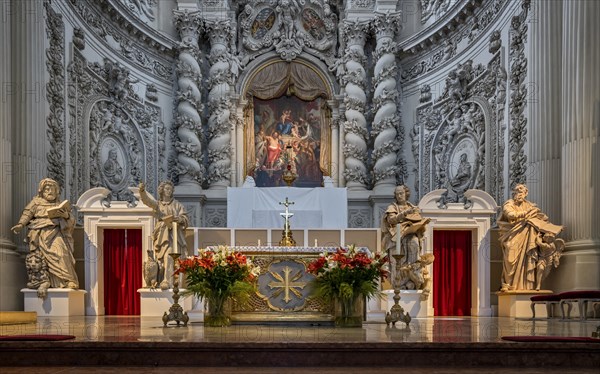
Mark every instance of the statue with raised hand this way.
pixel 167 211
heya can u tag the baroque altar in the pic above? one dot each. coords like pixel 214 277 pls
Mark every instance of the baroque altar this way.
pixel 282 293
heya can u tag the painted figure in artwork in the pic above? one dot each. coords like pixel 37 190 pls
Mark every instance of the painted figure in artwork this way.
pixel 167 211
pixel 50 225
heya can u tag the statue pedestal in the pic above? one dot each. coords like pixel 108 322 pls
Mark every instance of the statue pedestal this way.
pixel 517 304
pixel 155 302
pixel 410 301
pixel 60 302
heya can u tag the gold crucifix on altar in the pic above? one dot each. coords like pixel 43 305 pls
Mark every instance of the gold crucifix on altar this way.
pixel 287 240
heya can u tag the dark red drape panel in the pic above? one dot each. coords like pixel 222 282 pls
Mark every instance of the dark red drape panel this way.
pixel 122 271
pixel 452 273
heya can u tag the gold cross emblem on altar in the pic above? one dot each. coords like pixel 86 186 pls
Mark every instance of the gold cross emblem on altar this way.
pixel 287 284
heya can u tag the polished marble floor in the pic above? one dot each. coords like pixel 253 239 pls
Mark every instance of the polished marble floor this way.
pixel 437 329
pixel 121 344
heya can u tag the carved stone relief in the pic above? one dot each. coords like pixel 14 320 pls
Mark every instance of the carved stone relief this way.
pixel 360 218
pixel 518 97
pixel 215 217
pixel 457 139
pixel 435 8
pixel 143 9
pixel 290 27
pixel 114 135
pixel 54 93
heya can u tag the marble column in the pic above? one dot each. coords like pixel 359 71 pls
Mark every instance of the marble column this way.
pixel 187 120
pixel 24 139
pixel 8 287
pixel 222 73
pixel 545 104
pixel 385 97
pixel 355 126
pixel 580 96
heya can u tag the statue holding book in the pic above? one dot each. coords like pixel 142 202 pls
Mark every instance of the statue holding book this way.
pixel 169 231
pixel 50 224
pixel 529 243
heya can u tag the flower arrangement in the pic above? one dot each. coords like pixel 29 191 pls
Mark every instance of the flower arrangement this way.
pixel 345 278
pixel 217 275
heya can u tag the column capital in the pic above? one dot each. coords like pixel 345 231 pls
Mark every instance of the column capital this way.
pixel 189 25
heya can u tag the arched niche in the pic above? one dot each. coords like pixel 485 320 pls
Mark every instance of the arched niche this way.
pixel 303 89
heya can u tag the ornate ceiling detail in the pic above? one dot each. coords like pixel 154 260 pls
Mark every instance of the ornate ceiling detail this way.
pixel 433 7
pixel 143 9
pixel 137 41
pixel 467 22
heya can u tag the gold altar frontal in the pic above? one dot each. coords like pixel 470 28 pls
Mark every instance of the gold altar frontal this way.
pixel 283 287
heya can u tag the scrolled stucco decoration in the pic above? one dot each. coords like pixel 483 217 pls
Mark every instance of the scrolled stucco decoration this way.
pixel 215 217
pixel 362 4
pixel 457 140
pixel 352 72
pixel 147 52
pixel 518 97
pixel 359 218
pixel 388 141
pixel 425 96
pixel 495 42
pixel 188 123
pixel 424 63
pixel 112 133
pixel 290 27
pixel 143 9
pixel 79 38
pixel 433 7
pixel 222 76
pixel 55 87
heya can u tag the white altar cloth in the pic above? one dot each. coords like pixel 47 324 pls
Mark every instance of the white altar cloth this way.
pixel 317 207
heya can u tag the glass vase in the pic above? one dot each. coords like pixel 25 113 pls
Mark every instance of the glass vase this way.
pixel 218 311
pixel 348 312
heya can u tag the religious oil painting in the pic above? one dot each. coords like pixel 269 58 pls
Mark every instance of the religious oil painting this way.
pixel 287 136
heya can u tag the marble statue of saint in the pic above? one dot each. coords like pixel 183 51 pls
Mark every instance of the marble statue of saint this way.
pixel 412 227
pixel 521 225
pixel 50 236
pixel 167 210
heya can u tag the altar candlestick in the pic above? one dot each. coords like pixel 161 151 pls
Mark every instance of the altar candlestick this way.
pixel 258 242
pixel 316 244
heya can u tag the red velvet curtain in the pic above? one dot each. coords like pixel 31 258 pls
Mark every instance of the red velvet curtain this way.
pixel 122 271
pixel 452 273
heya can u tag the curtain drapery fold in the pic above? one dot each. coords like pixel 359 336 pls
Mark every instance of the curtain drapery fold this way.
pixel 452 273
pixel 122 271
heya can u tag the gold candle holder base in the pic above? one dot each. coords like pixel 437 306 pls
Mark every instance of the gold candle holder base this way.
pixel 175 312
